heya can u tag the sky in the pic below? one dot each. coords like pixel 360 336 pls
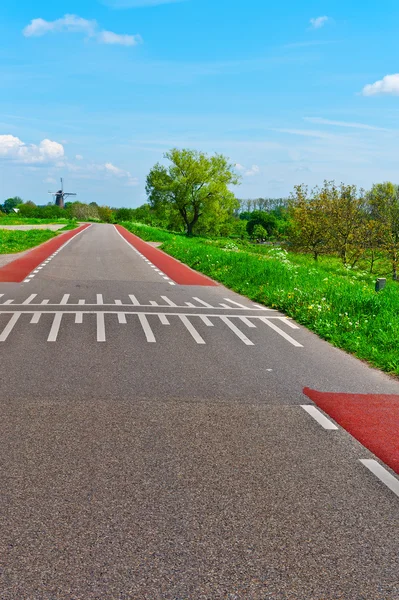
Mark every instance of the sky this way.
pixel 96 91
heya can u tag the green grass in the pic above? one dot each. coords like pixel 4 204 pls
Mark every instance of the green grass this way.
pixel 15 220
pixel 337 303
pixel 150 234
pixel 12 241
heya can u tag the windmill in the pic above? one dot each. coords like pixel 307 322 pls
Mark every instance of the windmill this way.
pixel 61 195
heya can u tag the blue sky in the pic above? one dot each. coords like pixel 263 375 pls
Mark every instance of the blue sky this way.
pixel 97 90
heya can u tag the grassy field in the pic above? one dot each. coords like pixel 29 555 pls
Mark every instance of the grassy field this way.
pixel 339 304
pixel 15 220
pixel 12 241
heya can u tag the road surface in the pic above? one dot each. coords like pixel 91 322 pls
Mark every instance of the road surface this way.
pixel 154 444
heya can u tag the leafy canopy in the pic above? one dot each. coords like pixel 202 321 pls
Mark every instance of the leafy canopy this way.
pixel 194 185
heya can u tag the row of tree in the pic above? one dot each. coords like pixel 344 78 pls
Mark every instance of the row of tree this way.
pixel 346 221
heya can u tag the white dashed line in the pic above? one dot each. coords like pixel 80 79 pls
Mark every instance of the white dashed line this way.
pixel 383 475
pixel 191 329
pixel 147 329
pixel 237 331
pixel 282 333
pixel 319 417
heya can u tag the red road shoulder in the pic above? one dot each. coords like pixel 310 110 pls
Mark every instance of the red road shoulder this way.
pixel 373 419
pixel 17 270
pixel 177 271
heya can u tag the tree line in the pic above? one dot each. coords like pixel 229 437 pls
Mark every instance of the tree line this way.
pixel 193 194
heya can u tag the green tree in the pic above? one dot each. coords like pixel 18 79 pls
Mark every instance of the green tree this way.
pixel 259 233
pixel 195 185
pixel 266 220
pixel 11 203
pixel 383 200
pixel 308 214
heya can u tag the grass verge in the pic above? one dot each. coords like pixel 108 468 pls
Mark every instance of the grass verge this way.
pixel 337 303
pixel 12 241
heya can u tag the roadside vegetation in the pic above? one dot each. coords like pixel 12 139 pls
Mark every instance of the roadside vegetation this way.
pixel 315 255
pixel 12 241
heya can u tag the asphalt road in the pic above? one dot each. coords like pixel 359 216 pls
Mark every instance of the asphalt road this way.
pixel 153 444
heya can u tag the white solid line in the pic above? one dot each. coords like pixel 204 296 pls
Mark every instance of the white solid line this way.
pixel 247 322
pixel 202 302
pixel 153 303
pixel 168 301
pixel 9 327
pixel 122 318
pixel 45 301
pixel 100 299
pixel 79 317
pixel 35 317
pixel 192 330
pixel 319 417
pixel 234 302
pixel 65 299
pixel 146 328
pixel 29 300
pixel 383 475
pixel 281 332
pixel 118 302
pixel 237 331
pixel 164 320
pixel 205 320
pixel 100 327
pixel 81 302
pixel 134 300
pixel 55 327
pixel 288 322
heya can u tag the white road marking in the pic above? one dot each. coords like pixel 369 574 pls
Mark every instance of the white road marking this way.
pixel 122 318
pixel 81 302
pixel 263 307
pixel 1 295
pixel 36 317
pixel 171 283
pixel 153 303
pixel 29 300
pixel 65 299
pixel 207 321
pixel 55 327
pixel 202 302
pixel 79 317
pixel 192 330
pixel 165 277
pixel 224 305
pixel 36 271
pixel 118 302
pixel 45 301
pixel 146 328
pixel 383 475
pixel 168 301
pixel 164 319
pixel 100 327
pixel 319 417
pixel 288 322
pixel 8 302
pixel 134 300
pixel 281 332
pixel 100 299
pixel 237 331
pixel 9 327
pixel 247 322
pixel 234 302
pixel 26 280
pixel 190 304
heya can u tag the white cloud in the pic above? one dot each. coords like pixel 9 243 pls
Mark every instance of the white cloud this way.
pixel 254 170
pixel 239 167
pixel 120 173
pixel 319 22
pixel 79 157
pixel 73 23
pixel 388 85
pixel 39 27
pixel 109 37
pixel 12 148
pixel 320 121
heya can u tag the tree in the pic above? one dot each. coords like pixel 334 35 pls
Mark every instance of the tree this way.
pixel 195 185
pixel 383 200
pixel 309 221
pixel 259 233
pixel 11 203
pixel 266 220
